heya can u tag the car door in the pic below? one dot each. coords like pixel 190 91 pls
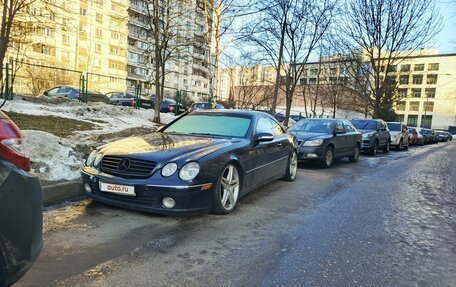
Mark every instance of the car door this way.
pixel 405 134
pixel 383 134
pixel 352 136
pixel 263 155
pixel 341 145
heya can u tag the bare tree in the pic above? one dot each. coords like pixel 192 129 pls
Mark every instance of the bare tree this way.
pixel 379 34
pixel 170 40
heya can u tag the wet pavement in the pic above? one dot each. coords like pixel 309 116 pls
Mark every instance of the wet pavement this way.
pixel 388 220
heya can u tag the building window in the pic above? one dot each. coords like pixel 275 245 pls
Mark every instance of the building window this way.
pixel 98 48
pixel 404 80
pixel 313 72
pixel 98 33
pixel 433 67
pixel 428 106
pixel 426 122
pixel 417 79
pixel 414 106
pixel 430 92
pixel 83 11
pixel 431 79
pixel 303 81
pixel 412 120
pixel 99 17
pixel 402 93
pixel 418 67
pixel 65 39
pixel 416 93
pixel 400 106
pixel 312 81
pixel 392 68
pixel 400 118
pixel 405 68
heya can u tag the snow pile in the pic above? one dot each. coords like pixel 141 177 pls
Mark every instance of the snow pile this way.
pixel 52 158
pixel 107 118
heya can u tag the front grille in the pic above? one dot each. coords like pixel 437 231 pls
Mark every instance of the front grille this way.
pixel 136 168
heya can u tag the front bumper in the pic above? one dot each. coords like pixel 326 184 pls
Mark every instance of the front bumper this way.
pixel 311 152
pixel 395 141
pixel 366 144
pixel 21 222
pixel 190 199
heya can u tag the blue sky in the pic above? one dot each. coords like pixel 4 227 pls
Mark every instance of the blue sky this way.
pixel 446 40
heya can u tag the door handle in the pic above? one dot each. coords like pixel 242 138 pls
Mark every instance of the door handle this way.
pixel 279 145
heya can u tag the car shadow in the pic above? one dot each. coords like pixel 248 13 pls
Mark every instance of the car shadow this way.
pixel 314 165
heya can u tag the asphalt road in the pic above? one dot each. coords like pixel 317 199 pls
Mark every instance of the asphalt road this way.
pixel 388 220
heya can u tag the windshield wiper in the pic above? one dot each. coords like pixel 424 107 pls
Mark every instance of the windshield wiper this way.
pixel 204 134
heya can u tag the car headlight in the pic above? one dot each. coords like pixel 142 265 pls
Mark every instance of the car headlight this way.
pixel 189 171
pixel 368 135
pixel 169 169
pixel 91 158
pixel 97 160
pixel 313 142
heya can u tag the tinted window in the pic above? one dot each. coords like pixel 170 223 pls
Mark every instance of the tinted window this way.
pixel 312 126
pixel 52 92
pixel 365 124
pixel 217 125
pixel 265 126
pixel 349 127
pixel 394 127
pixel 277 128
pixel 201 106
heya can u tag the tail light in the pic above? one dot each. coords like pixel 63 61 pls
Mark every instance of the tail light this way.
pixel 12 145
pixel 171 108
pixel 132 102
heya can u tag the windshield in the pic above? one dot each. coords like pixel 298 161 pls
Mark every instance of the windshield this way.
pixel 211 125
pixel 394 127
pixel 312 126
pixel 201 106
pixel 365 124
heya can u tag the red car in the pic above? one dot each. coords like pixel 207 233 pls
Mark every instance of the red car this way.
pixel 413 136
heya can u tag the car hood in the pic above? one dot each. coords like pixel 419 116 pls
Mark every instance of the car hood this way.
pixel 162 147
pixel 395 133
pixel 308 136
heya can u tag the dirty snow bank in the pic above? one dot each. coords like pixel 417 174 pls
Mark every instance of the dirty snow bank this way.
pixel 52 157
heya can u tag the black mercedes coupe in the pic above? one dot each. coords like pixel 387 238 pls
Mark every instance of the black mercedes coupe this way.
pixel 202 162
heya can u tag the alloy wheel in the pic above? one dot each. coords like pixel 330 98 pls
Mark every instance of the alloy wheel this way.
pixel 329 157
pixel 229 187
pixel 293 165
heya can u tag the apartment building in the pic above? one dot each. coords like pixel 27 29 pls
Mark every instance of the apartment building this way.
pixel 427 86
pixel 190 72
pixel 83 37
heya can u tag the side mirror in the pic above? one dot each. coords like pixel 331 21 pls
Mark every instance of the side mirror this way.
pixel 45 93
pixel 263 137
pixel 339 131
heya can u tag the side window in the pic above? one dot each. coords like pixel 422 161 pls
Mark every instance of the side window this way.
pixel 265 126
pixel 277 128
pixel 384 126
pixel 340 125
pixel 349 127
pixel 53 91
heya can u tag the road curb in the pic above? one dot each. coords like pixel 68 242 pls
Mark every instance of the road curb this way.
pixel 62 191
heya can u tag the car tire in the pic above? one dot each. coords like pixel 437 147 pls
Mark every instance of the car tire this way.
pixel 355 156
pixel 386 149
pixel 292 168
pixel 373 150
pixel 328 158
pixel 401 145
pixel 227 191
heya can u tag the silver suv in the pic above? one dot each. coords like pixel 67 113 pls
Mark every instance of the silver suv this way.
pixel 399 135
pixel 376 135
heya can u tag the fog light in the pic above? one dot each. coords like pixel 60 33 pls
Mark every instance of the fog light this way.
pixel 168 202
pixel 312 155
pixel 87 188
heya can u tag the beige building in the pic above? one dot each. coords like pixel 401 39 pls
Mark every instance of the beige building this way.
pixel 427 84
pixel 84 37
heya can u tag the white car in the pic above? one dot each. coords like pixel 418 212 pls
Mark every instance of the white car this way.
pixel 399 135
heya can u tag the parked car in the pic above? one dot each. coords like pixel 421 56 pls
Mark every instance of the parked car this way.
pixel 74 94
pixel 205 106
pixel 121 99
pixel 399 135
pixel 413 136
pixel 432 137
pixel 297 118
pixel 166 106
pixel 450 136
pixel 281 118
pixel 203 161
pixel 21 216
pixel 376 135
pixel 326 139
pixel 423 136
pixel 442 136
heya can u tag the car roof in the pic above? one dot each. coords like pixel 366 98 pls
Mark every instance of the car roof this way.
pixel 231 112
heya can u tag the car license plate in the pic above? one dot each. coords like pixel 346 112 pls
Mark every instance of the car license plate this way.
pixel 117 188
